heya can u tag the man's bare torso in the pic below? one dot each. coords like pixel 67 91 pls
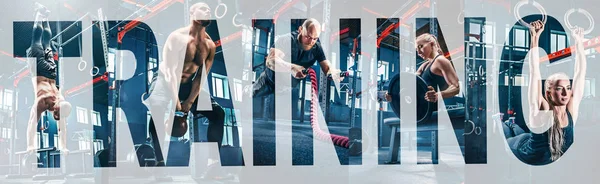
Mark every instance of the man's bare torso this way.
pixel 196 54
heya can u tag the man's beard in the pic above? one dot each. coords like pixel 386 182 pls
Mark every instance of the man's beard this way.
pixel 307 47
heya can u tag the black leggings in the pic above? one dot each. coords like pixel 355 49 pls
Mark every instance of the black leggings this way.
pixel 41 50
pixel 41 34
pixel 528 147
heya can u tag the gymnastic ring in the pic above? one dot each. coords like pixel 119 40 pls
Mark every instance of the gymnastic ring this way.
pixel 92 71
pixel 481 70
pixel 80 66
pixel 233 21
pixel 217 10
pixel 584 12
pixel 472 130
pixel 534 3
pixel 142 98
pixel 478 131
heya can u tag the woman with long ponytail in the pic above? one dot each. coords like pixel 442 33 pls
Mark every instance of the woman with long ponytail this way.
pixel 557 108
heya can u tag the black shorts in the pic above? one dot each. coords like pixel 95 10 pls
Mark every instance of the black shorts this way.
pixel 44 58
pixel 184 91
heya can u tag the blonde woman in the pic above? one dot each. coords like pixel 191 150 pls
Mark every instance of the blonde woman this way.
pixel 558 105
pixel 437 71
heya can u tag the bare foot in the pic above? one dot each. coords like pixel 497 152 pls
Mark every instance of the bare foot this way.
pixel 42 9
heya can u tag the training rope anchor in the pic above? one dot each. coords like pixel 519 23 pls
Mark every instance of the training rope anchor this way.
pixel 337 140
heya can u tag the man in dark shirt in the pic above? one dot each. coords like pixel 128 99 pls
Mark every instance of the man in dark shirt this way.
pixel 305 51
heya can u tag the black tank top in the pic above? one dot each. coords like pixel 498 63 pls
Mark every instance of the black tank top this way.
pixel 434 80
pixel 568 133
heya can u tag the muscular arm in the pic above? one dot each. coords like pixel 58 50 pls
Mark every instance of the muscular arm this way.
pixel 173 53
pixel 276 63
pixel 324 66
pixel 579 80
pixel 450 77
pixel 197 81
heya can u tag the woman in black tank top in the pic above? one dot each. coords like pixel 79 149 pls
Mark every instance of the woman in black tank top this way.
pixel 438 72
pixel 559 97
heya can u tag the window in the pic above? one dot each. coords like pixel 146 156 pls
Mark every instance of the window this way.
pixel 350 63
pixel 3 132
pixel 46 140
pixel 474 29
pixel 230 123
pixel 152 64
pixel 111 60
pixel 558 41
pixel 227 138
pixel 110 113
pixel 56 141
pixel 96 118
pixel 521 38
pixel 334 60
pixel 308 89
pixel 84 145
pixel 462 89
pixel 360 66
pixel 238 89
pixel 489 34
pixel 384 106
pixel 220 86
pixel 349 101
pixel 332 93
pixel 383 69
pixel 256 39
pixel 268 42
pixel 37 137
pixel 98 145
pixel 82 115
pixel 247 74
pixel 589 89
pixel 9 134
pixel 8 99
pixel 1 98
pixel 247 38
pixel 519 80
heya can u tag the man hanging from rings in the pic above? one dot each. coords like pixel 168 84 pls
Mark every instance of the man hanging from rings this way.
pixel 305 51
pixel 193 46
pixel 48 97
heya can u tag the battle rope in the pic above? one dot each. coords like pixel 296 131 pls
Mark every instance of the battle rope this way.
pixel 337 140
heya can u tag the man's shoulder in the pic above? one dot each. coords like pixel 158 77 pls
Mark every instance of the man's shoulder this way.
pixel 209 42
pixel 179 36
